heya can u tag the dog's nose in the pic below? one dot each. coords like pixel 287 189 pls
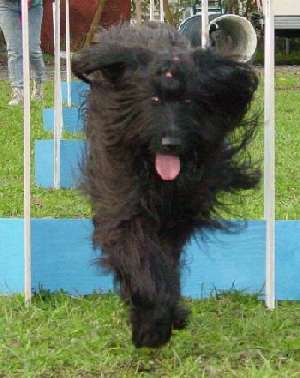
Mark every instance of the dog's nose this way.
pixel 170 141
pixel 171 135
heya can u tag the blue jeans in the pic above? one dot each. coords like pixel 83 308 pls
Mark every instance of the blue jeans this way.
pixel 12 29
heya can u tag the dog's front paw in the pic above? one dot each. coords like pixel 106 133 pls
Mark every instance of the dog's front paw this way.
pixel 150 331
pixel 180 317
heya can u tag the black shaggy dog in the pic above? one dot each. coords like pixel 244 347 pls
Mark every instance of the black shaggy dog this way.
pixel 165 129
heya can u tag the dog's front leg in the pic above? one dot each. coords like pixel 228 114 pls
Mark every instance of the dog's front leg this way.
pixel 149 280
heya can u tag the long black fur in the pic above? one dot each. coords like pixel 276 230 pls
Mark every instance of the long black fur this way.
pixel 142 222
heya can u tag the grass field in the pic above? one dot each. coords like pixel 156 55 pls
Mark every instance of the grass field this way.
pixel 230 335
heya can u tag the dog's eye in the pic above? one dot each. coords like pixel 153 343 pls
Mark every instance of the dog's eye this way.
pixel 155 100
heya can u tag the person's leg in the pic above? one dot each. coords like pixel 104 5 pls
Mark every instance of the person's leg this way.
pixel 36 55
pixel 11 27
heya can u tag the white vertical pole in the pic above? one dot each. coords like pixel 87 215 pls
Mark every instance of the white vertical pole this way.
pixel 204 25
pixel 269 153
pixel 152 7
pixel 27 189
pixel 57 95
pixel 162 13
pixel 68 54
pixel 240 5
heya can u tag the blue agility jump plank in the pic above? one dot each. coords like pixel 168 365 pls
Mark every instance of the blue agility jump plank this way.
pixel 11 256
pixel 62 258
pixel 73 121
pixel 71 152
pixel 79 91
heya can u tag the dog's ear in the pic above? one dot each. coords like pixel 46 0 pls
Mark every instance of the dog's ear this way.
pixel 228 84
pixel 111 60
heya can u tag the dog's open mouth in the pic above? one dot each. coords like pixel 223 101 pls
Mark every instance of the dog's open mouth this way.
pixel 167 166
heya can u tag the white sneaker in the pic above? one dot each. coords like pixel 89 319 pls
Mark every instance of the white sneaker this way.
pixel 16 96
pixel 37 91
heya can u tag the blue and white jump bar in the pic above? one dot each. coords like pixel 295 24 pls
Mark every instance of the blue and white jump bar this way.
pixel 225 261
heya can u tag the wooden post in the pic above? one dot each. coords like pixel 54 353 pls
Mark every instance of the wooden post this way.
pixel 95 23
pixel 168 15
pixel 138 11
pixel 287 46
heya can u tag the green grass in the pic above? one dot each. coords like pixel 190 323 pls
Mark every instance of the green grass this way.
pixel 69 203
pixel 281 59
pixel 288 147
pixel 229 335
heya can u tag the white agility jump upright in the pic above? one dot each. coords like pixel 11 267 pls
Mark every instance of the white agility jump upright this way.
pixel 269 151
pixel 204 24
pixel 27 186
pixel 68 55
pixel 152 9
pixel 58 119
pixel 161 11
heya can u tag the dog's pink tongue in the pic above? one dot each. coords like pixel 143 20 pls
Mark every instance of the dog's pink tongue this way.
pixel 167 166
